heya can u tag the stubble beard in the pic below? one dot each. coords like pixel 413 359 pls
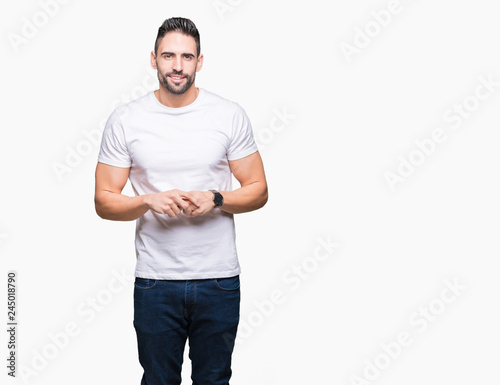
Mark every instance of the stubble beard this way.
pixel 176 90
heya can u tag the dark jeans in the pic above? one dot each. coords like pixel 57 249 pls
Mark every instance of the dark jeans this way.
pixel 167 312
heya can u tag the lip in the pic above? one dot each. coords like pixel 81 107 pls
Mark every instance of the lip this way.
pixel 176 79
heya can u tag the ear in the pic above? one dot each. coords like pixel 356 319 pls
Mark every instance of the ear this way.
pixel 153 60
pixel 200 63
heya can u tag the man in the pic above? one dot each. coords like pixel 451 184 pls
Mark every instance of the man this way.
pixel 179 146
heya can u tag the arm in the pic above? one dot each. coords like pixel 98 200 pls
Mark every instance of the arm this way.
pixel 252 194
pixel 111 204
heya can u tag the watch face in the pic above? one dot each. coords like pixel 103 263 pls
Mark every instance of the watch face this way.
pixel 218 198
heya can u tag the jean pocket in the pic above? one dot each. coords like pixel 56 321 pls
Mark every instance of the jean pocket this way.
pixel 228 284
pixel 144 283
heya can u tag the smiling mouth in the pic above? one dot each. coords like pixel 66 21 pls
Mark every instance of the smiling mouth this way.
pixel 176 78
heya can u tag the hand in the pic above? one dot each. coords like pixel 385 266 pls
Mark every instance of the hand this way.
pixel 203 200
pixel 172 202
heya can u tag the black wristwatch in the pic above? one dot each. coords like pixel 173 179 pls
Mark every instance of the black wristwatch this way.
pixel 218 198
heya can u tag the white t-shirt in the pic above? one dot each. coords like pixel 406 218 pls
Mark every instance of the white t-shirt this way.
pixel 186 148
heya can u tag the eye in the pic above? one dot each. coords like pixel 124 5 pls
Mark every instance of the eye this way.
pixel 188 57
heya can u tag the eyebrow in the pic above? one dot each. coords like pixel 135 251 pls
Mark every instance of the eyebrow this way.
pixel 171 53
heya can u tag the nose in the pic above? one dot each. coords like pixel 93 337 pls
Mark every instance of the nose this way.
pixel 178 64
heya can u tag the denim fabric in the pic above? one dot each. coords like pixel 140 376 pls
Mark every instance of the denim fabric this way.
pixel 205 312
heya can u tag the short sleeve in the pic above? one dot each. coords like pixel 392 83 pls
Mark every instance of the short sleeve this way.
pixel 242 141
pixel 114 149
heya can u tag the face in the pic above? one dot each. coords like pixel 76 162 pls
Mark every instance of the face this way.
pixel 176 62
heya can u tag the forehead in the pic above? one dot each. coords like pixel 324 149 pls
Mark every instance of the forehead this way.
pixel 177 42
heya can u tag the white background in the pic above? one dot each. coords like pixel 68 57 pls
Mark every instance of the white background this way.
pixel 355 118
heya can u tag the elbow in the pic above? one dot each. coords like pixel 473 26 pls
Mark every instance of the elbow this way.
pixel 264 197
pixel 99 209
pixel 99 212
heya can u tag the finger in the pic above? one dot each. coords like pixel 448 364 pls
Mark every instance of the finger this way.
pixel 175 208
pixel 171 209
pixel 191 198
pixel 169 212
pixel 187 211
pixel 182 203
pixel 198 211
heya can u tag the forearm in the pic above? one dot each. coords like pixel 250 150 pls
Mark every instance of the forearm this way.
pixel 119 207
pixel 246 198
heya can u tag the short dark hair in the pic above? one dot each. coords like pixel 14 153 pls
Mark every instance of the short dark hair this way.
pixel 178 24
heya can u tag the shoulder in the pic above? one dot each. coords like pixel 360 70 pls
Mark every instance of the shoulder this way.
pixel 214 100
pixel 135 106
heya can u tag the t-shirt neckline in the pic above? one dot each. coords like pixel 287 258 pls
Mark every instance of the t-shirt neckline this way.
pixel 182 109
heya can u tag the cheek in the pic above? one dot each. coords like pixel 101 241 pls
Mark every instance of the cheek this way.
pixel 160 64
pixel 189 69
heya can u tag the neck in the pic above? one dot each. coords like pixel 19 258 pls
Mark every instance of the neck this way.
pixel 169 99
